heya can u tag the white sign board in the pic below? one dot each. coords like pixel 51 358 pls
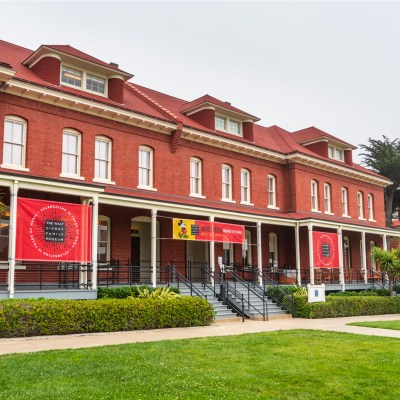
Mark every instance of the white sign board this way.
pixel 316 293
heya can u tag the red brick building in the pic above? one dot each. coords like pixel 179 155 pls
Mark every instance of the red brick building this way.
pixel 75 129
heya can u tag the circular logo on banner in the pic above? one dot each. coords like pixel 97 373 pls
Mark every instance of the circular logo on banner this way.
pixel 54 231
pixel 325 251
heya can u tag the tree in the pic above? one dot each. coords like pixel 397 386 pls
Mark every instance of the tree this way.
pixel 383 157
pixel 389 261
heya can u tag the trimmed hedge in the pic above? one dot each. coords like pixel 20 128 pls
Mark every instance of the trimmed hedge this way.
pixel 371 292
pixel 347 306
pixel 61 317
pixel 125 291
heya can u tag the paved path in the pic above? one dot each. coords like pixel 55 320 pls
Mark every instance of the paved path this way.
pixel 41 343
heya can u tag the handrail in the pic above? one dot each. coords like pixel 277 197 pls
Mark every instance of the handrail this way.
pixel 180 278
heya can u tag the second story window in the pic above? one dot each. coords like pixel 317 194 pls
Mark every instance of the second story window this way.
pixel 145 167
pixel 195 177
pixel 95 84
pixel 102 163
pixel 345 208
pixel 370 207
pixel 360 205
pixel 245 186
pixel 335 153
pixel 327 198
pixel 71 76
pixel 84 80
pixel 226 182
pixel 14 142
pixel 271 191
pixel 71 145
pixel 314 196
pixel 229 125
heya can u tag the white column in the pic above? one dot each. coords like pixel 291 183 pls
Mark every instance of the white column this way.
pixel 12 241
pixel 340 249
pixel 154 246
pixel 259 253
pixel 384 242
pixel 311 253
pixel 95 218
pixel 297 245
pixel 364 256
pixel 212 254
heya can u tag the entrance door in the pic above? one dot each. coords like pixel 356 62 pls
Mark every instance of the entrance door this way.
pixel 135 258
pixel 196 252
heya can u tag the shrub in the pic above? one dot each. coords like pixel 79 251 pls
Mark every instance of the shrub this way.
pixel 126 291
pixel 346 306
pixel 371 292
pixel 61 317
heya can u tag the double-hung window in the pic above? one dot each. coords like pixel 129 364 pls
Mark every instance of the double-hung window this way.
pixel 314 196
pixel 195 177
pixel 83 80
pixel 71 148
pixel 245 186
pixel 360 205
pixel 145 167
pixel 229 125
pixel 327 198
pixel 14 142
pixel 370 207
pixel 271 191
pixel 226 182
pixel 102 163
pixel 345 207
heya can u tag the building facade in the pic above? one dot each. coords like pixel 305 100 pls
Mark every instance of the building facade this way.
pixel 77 130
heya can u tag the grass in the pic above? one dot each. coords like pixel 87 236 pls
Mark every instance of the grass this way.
pixel 275 365
pixel 379 324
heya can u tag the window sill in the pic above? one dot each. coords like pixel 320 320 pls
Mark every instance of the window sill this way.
pixel 147 188
pixel 70 176
pixel 372 220
pixel 16 167
pixel 105 181
pixel 229 201
pixel 273 207
pixel 246 203
pixel 198 196
pixel 346 216
pixel 328 213
pixel 361 219
pixel 317 211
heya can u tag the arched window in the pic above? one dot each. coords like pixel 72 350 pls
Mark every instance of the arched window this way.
pixel 146 171
pixel 102 160
pixel 370 207
pixel 314 196
pixel 226 182
pixel 245 186
pixel 103 239
pixel 360 205
pixel 14 145
pixel 271 191
pixel 327 198
pixel 273 251
pixel 345 202
pixel 195 177
pixel 71 153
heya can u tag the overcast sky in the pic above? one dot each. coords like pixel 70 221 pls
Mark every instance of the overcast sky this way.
pixel 334 65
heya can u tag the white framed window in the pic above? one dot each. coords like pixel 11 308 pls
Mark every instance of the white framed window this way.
pixel 271 191
pixel 245 186
pixel 346 253
pixel 314 195
pixel 335 153
pixel 229 125
pixel 273 251
pixel 226 182
pixel 145 167
pixel 195 177
pixel 14 144
pixel 71 153
pixel 83 80
pixel 360 205
pixel 102 161
pixel 370 207
pixel 345 202
pixel 103 238
pixel 327 198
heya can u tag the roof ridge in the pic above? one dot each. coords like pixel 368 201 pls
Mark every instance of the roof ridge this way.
pixel 152 102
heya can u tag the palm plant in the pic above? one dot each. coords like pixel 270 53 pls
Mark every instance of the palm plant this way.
pixel 389 261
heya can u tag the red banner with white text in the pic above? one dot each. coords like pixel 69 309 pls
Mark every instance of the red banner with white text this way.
pixel 53 231
pixel 325 250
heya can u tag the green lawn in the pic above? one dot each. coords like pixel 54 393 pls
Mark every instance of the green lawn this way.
pixel 379 324
pixel 277 365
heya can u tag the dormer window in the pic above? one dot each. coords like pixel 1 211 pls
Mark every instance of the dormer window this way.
pixel 335 153
pixel 73 77
pixel 228 125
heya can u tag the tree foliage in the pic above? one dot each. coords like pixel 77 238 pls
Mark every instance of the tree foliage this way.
pixel 383 157
pixel 389 261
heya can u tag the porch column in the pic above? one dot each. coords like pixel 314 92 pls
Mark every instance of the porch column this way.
pixel 212 254
pixel 311 253
pixel 340 251
pixel 364 256
pixel 384 242
pixel 154 246
pixel 259 253
pixel 297 245
pixel 95 218
pixel 12 240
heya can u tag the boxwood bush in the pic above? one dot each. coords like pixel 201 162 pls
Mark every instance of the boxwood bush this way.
pixel 60 317
pixel 346 306
pixel 124 291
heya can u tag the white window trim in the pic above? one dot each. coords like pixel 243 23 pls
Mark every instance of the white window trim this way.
pixel 248 187
pixel 22 167
pixel 78 174
pixel 150 186
pixel 85 73
pixel 200 178
pixel 227 199
pixel 98 179
pixel 360 207
pixel 345 190
pixel 334 149
pixel 314 184
pixel 272 206
pixel 328 200
pixel 108 220
pixel 371 214
pixel 226 124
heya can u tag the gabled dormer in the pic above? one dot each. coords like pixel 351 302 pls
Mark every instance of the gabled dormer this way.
pixel 221 116
pixel 63 65
pixel 324 144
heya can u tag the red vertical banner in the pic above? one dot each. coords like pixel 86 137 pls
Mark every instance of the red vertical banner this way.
pixel 53 231
pixel 325 250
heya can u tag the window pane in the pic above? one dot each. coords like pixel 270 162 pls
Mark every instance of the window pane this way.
pixel 8 127
pixel 95 84
pixel 234 127
pixel 17 133
pixel 71 76
pixel 220 123
pixel 16 158
pixel 7 148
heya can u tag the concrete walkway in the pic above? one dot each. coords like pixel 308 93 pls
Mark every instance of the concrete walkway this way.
pixel 41 343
